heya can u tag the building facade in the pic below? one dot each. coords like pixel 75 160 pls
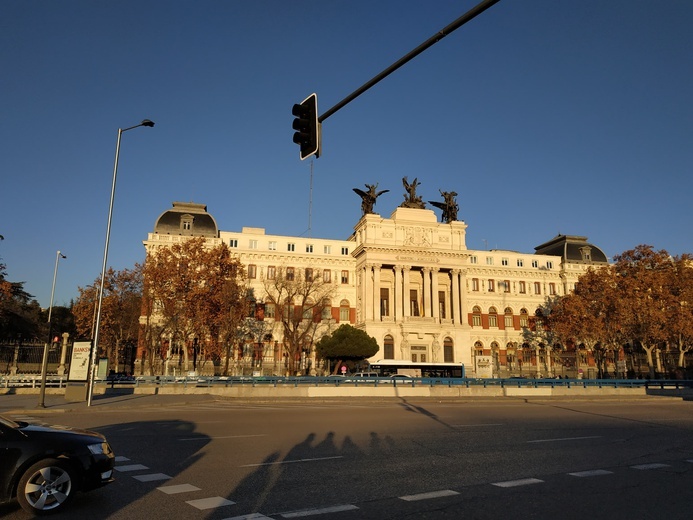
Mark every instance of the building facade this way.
pixel 410 282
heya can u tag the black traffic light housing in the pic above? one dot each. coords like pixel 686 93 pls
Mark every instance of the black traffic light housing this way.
pixel 307 134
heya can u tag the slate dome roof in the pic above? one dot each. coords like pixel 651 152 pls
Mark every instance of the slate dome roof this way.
pixel 187 219
pixel 572 249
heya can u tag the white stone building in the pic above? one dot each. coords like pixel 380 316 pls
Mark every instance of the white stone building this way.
pixel 409 281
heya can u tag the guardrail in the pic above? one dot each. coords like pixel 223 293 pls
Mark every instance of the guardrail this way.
pixel 277 381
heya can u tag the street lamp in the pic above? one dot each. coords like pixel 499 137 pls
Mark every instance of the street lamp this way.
pixel 95 344
pixel 44 361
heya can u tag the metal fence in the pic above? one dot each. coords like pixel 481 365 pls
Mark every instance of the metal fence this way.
pixel 26 358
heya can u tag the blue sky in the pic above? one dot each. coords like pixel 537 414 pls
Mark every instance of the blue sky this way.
pixel 545 116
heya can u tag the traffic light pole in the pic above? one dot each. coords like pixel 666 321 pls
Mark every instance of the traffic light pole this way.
pixel 469 15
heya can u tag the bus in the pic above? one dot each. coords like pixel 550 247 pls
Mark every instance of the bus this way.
pixel 390 367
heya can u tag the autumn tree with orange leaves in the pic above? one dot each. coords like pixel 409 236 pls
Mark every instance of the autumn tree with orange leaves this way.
pixel 194 296
pixel 120 312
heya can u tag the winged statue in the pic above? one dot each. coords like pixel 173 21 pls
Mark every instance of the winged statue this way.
pixel 368 197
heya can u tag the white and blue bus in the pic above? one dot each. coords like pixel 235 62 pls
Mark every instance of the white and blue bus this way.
pixel 391 367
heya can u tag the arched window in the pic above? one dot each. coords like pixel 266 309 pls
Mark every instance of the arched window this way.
pixel 524 318
pixel 344 311
pixel 492 317
pixel 476 316
pixel 508 313
pixel 478 348
pixel 389 347
pixel 326 309
pixel 448 350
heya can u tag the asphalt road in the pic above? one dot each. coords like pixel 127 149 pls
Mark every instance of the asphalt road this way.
pixel 209 458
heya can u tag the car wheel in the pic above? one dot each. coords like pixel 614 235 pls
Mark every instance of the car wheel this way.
pixel 45 487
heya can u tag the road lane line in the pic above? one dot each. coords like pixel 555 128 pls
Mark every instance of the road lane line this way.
pixel 591 473
pixel 251 516
pixel 515 483
pixel 318 511
pixel 654 465
pixel 566 439
pixel 209 503
pixel 180 488
pixel 290 461
pixel 475 425
pixel 431 494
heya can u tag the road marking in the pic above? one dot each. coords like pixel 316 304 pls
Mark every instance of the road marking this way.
pixel 290 461
pixel 130 467
pixel 152 477
pixel 205 438
pixel 121 459
pixel 209 503
pixel 591 473
pixel 566 439
pixel 515 483
pixel 432 494
pixel 180 488
pixel 654 465
pixel 318 511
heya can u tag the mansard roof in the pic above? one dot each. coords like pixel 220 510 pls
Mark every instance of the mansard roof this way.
pixel 187 219
pixel 572 249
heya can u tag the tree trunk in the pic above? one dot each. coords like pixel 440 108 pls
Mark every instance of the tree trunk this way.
pixel 650 362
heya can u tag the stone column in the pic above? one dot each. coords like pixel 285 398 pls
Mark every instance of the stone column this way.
pixel 426 272
pixel 367 293
pixel 405 291
pixel 398 298
pixel 63 352
pixel 456 315
pixel 376 292
pixel 434 291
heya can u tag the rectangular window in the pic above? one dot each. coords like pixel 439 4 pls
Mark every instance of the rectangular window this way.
pixel 505 261
pixel 552 289
pixel 523 287
pixel 441 304
pixel 327 276
pixel 524 321
pixel 345 250
pixel 345 276
pixel 473 259
pixel 475 284
pixel 537 287
pixel 272 245
pixel 535 263
pixel 506 285
pixel 489 260
pixel 327 250
pixel 309 274
pixel 344 314
pixel 252 244
pixel 291 247
pixel 549 264
pixel 233 243
pixel 520 262
pixel 252 271
pixel 269 310
pixel 384 301
pixel 476 320
pixel 414 302
pixel 290 274
pixel 508 321
pixel 271 272
pixel 491 285
pixel 493 320
pixel 309 248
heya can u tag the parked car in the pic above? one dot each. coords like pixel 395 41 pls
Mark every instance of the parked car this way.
pixel 42 467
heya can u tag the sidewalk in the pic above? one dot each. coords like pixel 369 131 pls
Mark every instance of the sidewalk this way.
pixel 56 403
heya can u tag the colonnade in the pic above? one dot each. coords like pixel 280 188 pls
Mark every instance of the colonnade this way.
pixel 399 280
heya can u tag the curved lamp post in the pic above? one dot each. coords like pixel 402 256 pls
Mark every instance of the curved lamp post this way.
pixel 44 361
pixel 95 344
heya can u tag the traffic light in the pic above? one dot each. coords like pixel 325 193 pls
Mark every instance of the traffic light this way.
pixel 307 134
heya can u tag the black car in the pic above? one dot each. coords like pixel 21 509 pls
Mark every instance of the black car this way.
pixel 43 467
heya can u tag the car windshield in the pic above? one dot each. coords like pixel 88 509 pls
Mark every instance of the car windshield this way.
pixel 7 422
